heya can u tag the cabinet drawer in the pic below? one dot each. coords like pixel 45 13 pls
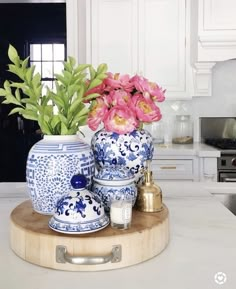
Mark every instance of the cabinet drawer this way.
pixel 174 169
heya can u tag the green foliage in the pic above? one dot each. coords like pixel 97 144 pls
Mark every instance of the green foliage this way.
pixel 59 112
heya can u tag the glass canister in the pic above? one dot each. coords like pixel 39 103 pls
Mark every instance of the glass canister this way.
pixel 183 130
pixel 157 131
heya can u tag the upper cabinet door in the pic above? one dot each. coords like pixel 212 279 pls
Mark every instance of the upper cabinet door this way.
pixel 147 37
pixel 218 14
pixel 216 30
pixel 113 38
pixel 162 44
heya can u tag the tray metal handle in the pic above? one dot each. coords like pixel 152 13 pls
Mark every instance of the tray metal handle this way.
pixel 62 256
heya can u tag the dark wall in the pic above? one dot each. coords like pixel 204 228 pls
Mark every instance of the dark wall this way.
pixel 21 23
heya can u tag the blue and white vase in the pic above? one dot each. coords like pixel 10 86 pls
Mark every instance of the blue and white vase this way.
pixel 130 150
pixel 51 163
pixel 114 183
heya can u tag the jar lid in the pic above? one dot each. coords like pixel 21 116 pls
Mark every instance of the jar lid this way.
pixel 79 211
pixel 117 173
pixel 183 116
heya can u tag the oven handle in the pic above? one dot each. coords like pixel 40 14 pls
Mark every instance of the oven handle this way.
pixel 227 179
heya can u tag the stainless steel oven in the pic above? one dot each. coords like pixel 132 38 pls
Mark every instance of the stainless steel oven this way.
pixel 220 132
pixel 227 167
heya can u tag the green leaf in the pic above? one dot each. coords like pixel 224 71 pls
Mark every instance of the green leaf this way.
pixel 28 100
pixel 16 110
pixel 76 103
pixel 80 116
pixel 92 72
pixel 72 89
pixel 64 129
pixel 31 107
pixel 25 63
pixel 48 111
pixel 11 99
pixel 54 121
pixel 44 126
pixel 101 76
pixel 18 85
pixel 72 130
pixel 83 120
pixel 79 78
pixel 72 61
pixel 95 82
pixel 29 114
pixel 16 70
pixel 81 67
pixel 3 92
pixel 91 96
pixel 7 86
pixel 13 55
pixel 57 100
pixel 29 74
pixel 67 76
pixel 17 94
pixel 63 119
pixel 61 79
pixel 80 92
pixel 36 80
pixel 102 68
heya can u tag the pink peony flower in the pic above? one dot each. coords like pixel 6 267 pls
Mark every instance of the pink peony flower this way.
pixel 117 81
pixel 120 119
pixel 145 109
pixel 140 83
pixel 97 113
pixel 125 102
pixel 120 97
pixel 156 92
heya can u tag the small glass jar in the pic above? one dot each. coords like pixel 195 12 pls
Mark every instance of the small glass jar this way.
pixel 183 130
pixel 157 131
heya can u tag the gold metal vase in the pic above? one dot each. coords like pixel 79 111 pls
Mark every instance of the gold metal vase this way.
pixel 149 197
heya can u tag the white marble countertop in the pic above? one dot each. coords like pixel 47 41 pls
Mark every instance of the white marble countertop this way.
pixel 195 149
pixel 202 243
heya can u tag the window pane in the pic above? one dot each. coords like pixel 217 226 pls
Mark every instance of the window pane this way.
pixel 59 51
pixel 37 67
pixel 47 69
pixel 47 52
pixel 35 51
pixel 46 84
pixel 58 67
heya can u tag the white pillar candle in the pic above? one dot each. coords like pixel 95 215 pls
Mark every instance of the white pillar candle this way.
pixel 121 213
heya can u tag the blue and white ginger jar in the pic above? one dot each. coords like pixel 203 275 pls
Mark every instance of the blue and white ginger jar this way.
pixel 130 150
pixel 114 183
pixel 51 163
pixel 79 211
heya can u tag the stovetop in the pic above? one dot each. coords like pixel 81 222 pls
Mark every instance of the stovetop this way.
pixel 222 143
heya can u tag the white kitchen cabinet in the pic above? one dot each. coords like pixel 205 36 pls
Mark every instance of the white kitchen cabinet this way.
pixel 213 38
pixel 217 30
pixel 113 37
pixel 178 168
pixel 208 169
pixel 149 37
pixel 191 162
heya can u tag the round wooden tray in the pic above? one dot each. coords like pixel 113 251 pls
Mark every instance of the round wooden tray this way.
pixel 32 240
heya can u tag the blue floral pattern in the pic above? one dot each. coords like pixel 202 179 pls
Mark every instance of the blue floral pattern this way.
pixel 130 150
pixel 109 192
pixel 50 167
pixel 79 212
